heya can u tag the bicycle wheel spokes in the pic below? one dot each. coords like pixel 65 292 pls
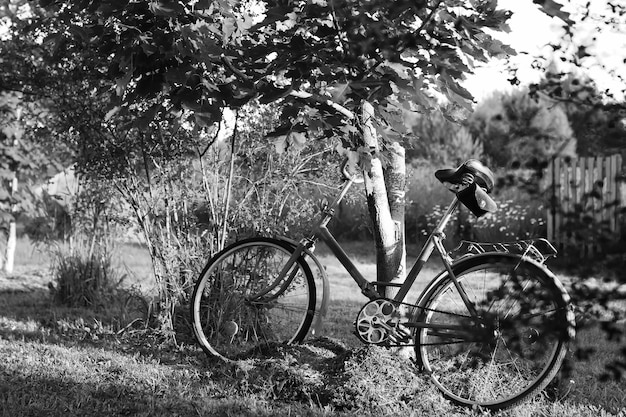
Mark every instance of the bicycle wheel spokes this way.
pixel 239 302
pixel 517 342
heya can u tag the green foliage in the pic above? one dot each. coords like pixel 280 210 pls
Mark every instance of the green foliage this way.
pixel 600 131
pixel 210 55
pixel 519 131
pixel 424 194
pixel 576 53
pixel 162 206
pixel 442 142
pixel 22 162
pixel 597 124
pixel 513 221
pixel 278 193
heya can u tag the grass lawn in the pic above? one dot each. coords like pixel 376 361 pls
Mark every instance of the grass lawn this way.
pixel 73 362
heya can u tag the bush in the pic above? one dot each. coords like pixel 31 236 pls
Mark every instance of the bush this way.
pixel 512 221
pixel 425 196
pixel 84 275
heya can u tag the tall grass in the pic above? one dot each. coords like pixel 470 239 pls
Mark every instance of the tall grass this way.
pixel 83 271
pixel 83 276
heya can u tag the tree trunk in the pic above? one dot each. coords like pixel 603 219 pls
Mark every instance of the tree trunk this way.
pixel 385 199
pixel 11 243
pixel 12 234
pixel 395 180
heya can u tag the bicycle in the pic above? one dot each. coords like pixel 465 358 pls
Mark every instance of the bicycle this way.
pixel 491 330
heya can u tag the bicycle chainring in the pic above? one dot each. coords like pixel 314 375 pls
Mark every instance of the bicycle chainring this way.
pixel 378 323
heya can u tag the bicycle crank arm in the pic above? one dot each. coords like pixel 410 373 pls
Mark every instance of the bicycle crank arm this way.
pixel 395 334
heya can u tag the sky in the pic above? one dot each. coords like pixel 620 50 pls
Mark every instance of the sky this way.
pixel 532 30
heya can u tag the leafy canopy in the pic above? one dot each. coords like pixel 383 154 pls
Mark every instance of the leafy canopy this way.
pixel 204 55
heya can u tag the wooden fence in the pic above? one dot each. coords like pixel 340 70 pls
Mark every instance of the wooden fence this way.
pixel 584 201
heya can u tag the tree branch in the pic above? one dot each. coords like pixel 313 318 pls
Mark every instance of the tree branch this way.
pixel 322 100
pixel 401 49
pixel 212 141
pixel 314 98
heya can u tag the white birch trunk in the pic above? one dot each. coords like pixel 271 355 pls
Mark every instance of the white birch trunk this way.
pixel 388 227
pixel 12 236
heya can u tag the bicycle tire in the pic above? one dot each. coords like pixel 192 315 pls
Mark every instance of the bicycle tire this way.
pixel 519 344
pixel 237 304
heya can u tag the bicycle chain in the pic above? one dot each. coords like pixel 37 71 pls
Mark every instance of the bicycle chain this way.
pixel 415 306
pixel 427 309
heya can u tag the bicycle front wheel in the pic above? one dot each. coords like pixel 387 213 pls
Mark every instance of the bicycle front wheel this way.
pixel 239 301
pixel 509 347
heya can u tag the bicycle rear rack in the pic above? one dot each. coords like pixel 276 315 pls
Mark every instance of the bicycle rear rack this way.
pixel 539 250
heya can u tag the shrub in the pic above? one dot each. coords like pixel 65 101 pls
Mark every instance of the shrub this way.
pixel 516 129
pixel 512 221
pixel 424 199
pixel 83 274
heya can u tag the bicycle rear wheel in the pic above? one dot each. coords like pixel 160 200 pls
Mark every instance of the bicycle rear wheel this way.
pixel 238 302
pixel 516 346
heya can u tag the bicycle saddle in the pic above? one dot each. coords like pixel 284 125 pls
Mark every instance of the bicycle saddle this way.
pixel 482 175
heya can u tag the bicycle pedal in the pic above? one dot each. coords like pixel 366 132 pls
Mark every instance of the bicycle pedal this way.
pixel 403 331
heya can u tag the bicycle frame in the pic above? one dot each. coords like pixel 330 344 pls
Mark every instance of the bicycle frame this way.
pixel 321 232
pixel 512 325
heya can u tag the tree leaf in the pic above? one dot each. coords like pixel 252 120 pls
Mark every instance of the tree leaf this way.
pixel 553 9
pixel 4 195
pixel 456 87
pixel 6 217
pixel 6 173
pixel 280 142
pixel 203 4
pixel 297 140
pixel 270 93
pixel 167 8
pixel 122 82
pixel 111 113
pixel 142 122
pixel 340 91
pixel 204 119
pixel 80 33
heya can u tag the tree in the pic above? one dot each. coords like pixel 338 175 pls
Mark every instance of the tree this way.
pixel 13 157
pixel 324 61
pixel 587 80
pixel 177 180
pixel 596 121
pixel 314 57
pixel 519 131
pixel 321 60
pixel 442 142
pixel 21 160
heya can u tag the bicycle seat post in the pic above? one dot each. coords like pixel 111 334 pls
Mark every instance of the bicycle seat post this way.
pixel 329 211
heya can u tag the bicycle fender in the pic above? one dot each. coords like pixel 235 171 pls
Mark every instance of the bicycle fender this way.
pixel 319 316
pixel 458 264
